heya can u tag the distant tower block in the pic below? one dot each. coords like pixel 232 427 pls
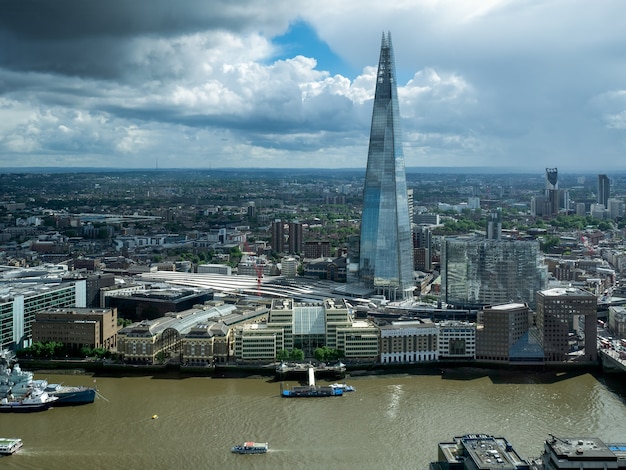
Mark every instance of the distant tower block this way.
pixel 552 178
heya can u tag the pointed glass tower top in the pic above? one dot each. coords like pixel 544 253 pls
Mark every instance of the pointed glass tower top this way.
pixel 386 254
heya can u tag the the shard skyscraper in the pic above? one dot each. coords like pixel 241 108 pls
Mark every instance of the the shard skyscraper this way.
pixel 386 254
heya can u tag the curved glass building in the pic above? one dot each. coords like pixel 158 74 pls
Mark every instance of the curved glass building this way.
pixel 386 255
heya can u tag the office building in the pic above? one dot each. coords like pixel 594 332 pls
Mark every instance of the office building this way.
pixel 552 191
pixel 422 248
pixel 386 255
pixel 478 452
pixel 96 282
pixel 456 340
pixel 502 334
pixel 425 218
pixel 409 195
pixel 317 249
pixel 148 304
pixel 494 224
pixel 20 302
pixel 617 320
pixel 483 452
pixel 604 190
pixel 289 267
pixel 77 327
pixel 570 453
pixel 408 342
pixel 223 269
pixel 564 313
pixel 307 326
pixel 614 208
pixel 477 272
pixel 598 211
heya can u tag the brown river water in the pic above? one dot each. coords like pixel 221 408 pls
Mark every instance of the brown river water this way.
pixel 390 421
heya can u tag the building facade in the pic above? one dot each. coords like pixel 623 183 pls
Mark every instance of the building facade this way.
pixel 20 302
pixel 278 236
pixel 296 238
pixel 604 190
pixel 408 342
pixel 386 255
pixel 477 272
pixel 561 313
pixel 307 326
pixel 498 330
pixel 456 340
pixel 77 327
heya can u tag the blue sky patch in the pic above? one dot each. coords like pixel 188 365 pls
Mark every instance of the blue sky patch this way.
pixel 301 39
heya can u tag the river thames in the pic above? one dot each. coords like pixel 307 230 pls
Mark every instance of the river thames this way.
pixel 391 421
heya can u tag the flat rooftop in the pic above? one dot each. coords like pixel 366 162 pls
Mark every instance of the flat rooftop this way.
pixel 484 451
pixel 581 448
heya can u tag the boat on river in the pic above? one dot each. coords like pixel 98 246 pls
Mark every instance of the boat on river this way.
pixel 251 448
pixel 10 445
pixel 34 400
pixel 15 380
pixel 70 396
pixel 308 391
pixel 344 387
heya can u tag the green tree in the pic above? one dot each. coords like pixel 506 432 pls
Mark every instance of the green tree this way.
pixel 549 242
pixel 282 355
pixel 297 354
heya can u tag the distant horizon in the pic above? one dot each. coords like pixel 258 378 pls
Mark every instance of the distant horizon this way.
pixel 412 169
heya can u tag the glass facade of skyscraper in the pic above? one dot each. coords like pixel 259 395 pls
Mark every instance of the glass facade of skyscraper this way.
pixel 386 256
pixel 478 272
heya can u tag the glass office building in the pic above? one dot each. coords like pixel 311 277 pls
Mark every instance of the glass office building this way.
pixel 386 255
pixel 478 272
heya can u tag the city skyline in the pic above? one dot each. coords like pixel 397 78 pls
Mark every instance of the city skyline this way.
pixel 500 84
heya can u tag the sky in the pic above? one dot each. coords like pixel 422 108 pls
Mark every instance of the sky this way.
pixel 506 84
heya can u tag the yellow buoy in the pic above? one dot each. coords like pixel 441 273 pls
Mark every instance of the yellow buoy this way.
pixel 154 416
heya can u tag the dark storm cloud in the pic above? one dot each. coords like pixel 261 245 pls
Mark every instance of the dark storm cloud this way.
pixel 96 37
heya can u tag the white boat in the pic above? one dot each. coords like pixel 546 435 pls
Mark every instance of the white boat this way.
pixel 10 445
pixel 35 400
pixel 344 387
pixel 251 448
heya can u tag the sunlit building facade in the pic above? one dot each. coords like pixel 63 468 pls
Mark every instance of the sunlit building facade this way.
pixel 386 256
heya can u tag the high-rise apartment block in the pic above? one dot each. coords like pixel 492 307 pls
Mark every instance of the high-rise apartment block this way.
pixel 278 236
pixel 386 255
pixel 604 190
pixel 295 240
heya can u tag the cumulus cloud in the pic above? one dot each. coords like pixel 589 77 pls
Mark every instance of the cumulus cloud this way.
pixel 203 83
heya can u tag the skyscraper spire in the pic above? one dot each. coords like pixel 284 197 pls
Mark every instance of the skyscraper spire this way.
pixel 386 254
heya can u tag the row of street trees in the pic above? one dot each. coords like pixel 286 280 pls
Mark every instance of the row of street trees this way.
pixel 55 349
